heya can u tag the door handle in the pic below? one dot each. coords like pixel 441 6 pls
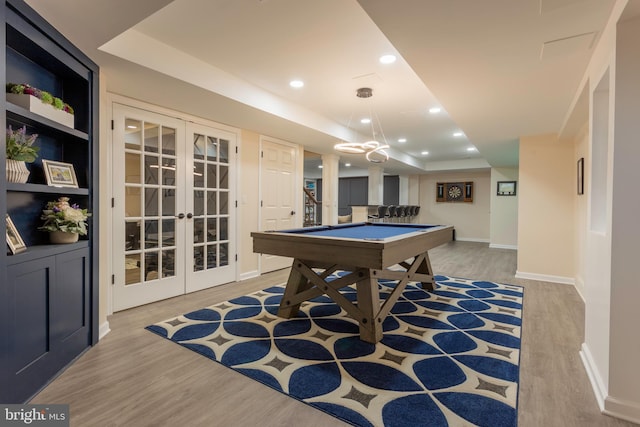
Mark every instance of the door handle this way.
pixel 189 215
pixel 180 216
pixel 293 212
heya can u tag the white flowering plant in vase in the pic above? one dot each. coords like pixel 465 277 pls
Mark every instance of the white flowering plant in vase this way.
pixel 64 217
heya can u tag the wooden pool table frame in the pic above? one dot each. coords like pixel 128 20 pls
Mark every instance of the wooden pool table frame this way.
pixel 317 257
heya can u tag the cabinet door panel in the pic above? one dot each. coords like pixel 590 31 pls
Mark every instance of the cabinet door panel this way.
pixel 30 343
pixel 69 314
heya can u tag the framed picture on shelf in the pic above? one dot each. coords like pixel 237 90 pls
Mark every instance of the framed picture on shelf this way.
pixel 506 188
pixel 59 174
pixel 14 241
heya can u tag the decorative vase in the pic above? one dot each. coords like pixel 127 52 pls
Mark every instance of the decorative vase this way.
pixel 60 237
pixel 17 171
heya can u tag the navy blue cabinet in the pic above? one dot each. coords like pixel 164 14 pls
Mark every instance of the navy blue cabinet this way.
pixel 47 311
pixel 48 292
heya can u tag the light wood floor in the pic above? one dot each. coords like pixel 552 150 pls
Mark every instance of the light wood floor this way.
pixel 134 378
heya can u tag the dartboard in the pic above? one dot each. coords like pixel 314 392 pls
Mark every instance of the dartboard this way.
pixel 455 192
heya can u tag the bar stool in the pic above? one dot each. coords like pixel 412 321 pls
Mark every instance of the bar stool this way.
pixel 417 211
pixel 400 213
pixel 391 212
pixel 408 213
pixel 382 213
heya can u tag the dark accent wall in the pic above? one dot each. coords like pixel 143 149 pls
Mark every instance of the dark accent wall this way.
pixel 355 191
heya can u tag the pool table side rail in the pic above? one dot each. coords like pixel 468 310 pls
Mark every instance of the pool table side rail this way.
pixel 374 254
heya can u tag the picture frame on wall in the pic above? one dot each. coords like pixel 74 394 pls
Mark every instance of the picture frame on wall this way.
pixel 506 188
pixel 14 241
pixel 580 176
pixel 59 174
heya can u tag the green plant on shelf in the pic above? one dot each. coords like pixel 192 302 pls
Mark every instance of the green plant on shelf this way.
pixel 44 96
pixel 20 145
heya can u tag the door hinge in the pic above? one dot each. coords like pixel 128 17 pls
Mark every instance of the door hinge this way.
pixel 236 257
pixel 113 202
pixel 260 203
pixel 236 149
pixel 236 203
pixel 262 154
pixel 113 279
pixel 112 125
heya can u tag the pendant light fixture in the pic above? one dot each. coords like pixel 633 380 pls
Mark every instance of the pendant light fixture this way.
pixel 374 150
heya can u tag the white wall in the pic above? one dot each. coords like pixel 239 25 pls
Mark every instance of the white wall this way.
pixel 545 207
pixel 248 181
pixel 624 385
pixel 581 150
pixel 504 211
pixel 612 347
pixel 471 220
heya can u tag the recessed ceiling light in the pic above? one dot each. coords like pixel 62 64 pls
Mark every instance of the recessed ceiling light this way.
pixel 296 84
pixel 456 134
pixel 435 110
pixel 425 153
pixel 132 127
pixel 347 164
pixel 365 120
pixel 387 59
pixel 402 140
pixel 471 149
pixel 319 166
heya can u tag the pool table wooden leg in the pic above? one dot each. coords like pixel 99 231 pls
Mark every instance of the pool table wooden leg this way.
pixel 369 305
pixel 297 283
pixel 425 268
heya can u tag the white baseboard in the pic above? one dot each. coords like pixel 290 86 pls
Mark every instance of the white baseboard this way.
pixel 471 239
pixel 599 389
pixel 545 278
pixel 249 275
pixel 103 330
pixel 497 246
pixel 579 285
pixel 625 410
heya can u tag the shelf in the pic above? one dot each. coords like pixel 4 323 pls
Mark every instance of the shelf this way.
pixel 45 189
pixel 42 251
pixel 26 117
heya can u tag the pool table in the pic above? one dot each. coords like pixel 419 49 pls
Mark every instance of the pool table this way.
pixel 368 251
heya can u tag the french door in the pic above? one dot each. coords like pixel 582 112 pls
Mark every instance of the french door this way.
pixel 211 247
pixel 172 214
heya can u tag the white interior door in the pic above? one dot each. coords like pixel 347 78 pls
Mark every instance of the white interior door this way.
pixel 278 190
pixel 211 201
pixel 173 207
pixel 148 175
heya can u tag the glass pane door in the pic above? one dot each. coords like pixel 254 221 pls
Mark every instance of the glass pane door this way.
pixel 147 211
pixel 211 198
pixel 150 204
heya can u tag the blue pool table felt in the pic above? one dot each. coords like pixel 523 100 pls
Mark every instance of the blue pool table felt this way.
pixel 361 231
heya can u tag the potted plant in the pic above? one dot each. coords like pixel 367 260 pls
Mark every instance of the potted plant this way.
pixel 20 150
pixel 40 102
pixel 63 221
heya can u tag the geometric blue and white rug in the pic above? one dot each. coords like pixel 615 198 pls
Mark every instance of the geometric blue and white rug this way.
pixel 447 358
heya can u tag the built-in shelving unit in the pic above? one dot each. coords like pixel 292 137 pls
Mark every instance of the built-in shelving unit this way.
pixel 48 293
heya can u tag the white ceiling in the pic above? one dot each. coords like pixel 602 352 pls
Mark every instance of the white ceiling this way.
pixel 499 69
